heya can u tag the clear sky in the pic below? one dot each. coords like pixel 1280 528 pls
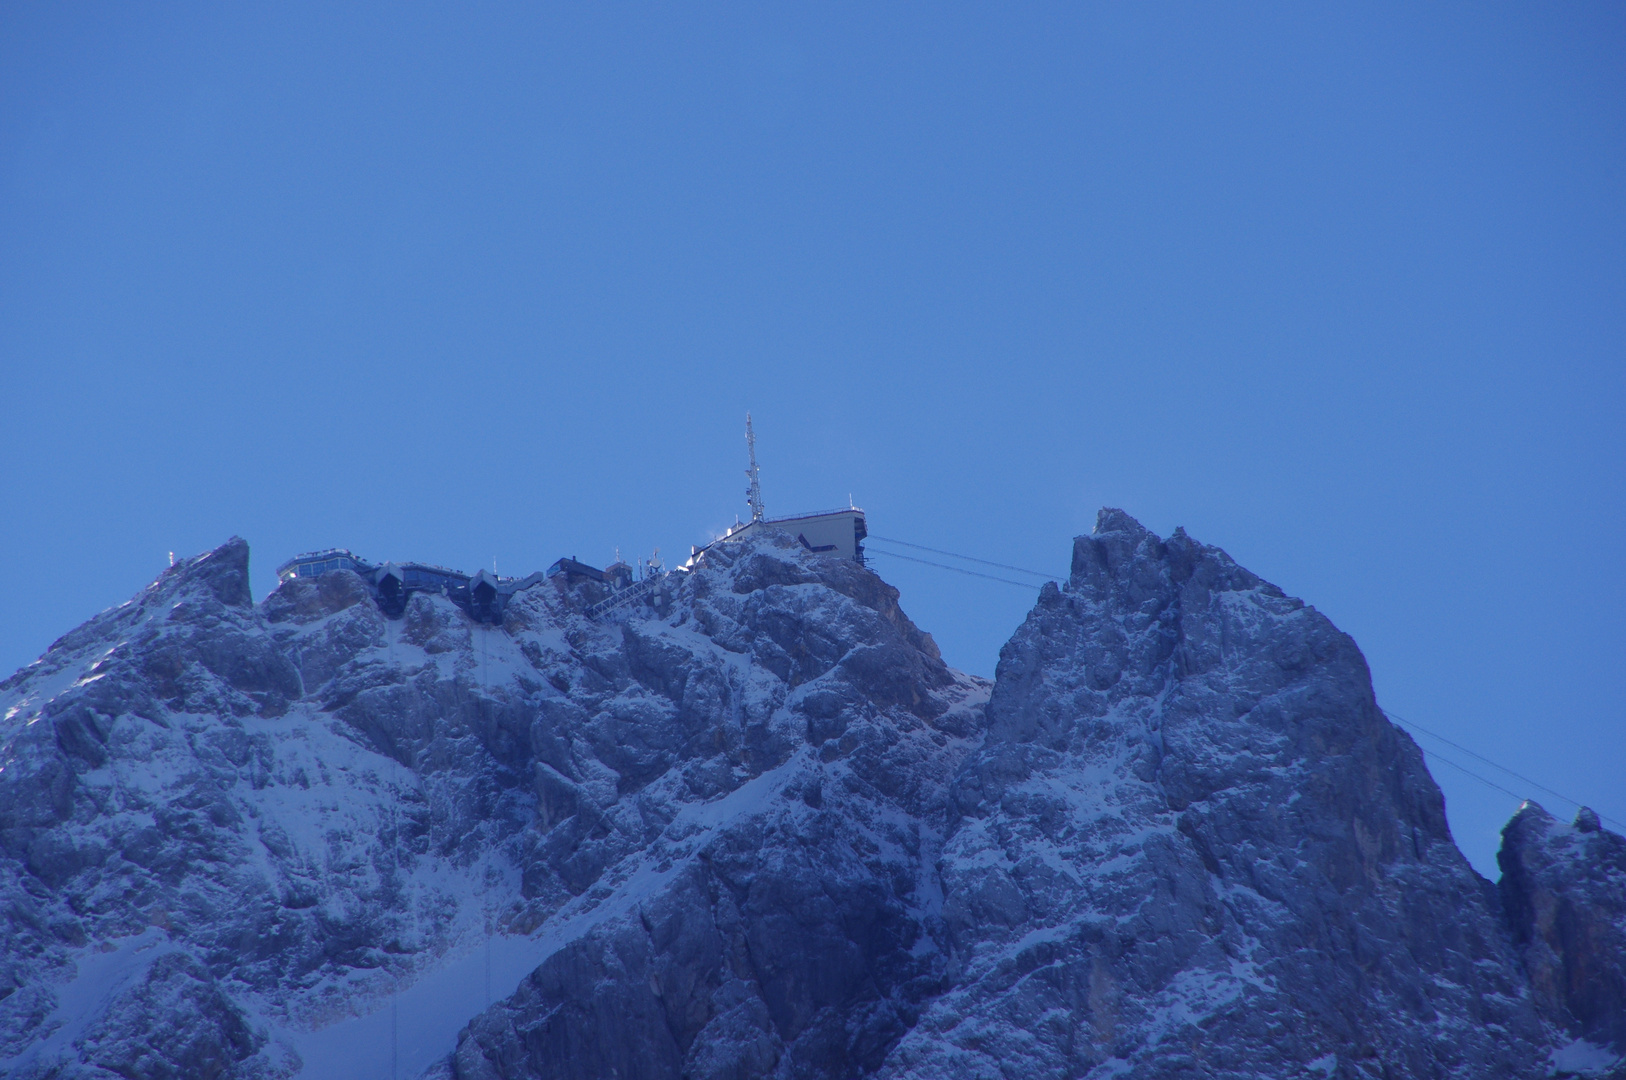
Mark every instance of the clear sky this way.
pixel 1338 288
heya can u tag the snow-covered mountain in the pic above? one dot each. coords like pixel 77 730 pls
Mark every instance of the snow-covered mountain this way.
pixel 761 830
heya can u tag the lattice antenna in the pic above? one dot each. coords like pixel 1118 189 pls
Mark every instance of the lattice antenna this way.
pixel 753 494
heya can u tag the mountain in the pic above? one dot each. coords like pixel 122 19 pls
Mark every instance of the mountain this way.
pixel 757 828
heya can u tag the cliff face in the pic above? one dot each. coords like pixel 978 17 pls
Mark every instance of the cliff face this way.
pixel 777 919
pixel 1565 891
pixel 1193 845
pixel 325 841
pixel 764 833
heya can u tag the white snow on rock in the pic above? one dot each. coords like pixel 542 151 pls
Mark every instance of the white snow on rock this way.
pixel 764 833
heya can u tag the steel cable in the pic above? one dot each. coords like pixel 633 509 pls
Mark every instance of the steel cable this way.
pixel 967 558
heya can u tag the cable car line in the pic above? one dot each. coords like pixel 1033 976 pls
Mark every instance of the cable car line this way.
pixel 1488 783
pixel 967 558
pixel 956 569
pixel 1481 757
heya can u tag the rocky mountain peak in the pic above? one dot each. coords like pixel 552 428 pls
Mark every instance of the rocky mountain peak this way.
pixel 1196 837
pixel 759 828
pixel 223 572
pixel 1564 886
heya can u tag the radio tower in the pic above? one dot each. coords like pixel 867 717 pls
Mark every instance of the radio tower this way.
pixel 753 494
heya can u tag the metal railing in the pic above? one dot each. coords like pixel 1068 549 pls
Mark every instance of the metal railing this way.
pixel 630 595
pixel 816 513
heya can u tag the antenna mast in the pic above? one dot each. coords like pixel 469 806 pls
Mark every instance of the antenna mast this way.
pixel 753 493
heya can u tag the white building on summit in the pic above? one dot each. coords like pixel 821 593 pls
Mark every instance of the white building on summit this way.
pixel 836 532
pixel 484 595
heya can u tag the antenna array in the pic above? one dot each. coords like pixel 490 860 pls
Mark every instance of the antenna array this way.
pixel 753 494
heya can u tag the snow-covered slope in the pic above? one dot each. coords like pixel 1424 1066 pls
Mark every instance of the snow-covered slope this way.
pixel 767 833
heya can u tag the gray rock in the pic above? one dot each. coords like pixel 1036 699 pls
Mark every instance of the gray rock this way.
pixel 789 942
pixel 1564 887
pixel 177 1024
pixel 762 830
pixel 1194 845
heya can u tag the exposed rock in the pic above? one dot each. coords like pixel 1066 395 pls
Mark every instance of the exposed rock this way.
pixel 1193 845
pixel 791 940
pixel 762 830
pixel 313 804
pixel 304 600
pixel 176 1024
pixel 1564 887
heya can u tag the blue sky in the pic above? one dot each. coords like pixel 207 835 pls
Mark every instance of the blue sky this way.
pixel 1339 289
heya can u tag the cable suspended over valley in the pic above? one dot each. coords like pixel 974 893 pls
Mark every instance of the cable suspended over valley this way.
pixel 956 569
pixel 1412 726
pixel 967 558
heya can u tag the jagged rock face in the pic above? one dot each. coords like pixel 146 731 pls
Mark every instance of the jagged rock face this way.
pixel 1193 845
pixel 269 818
pixel 122 747
pixel 766 833
pixel 1565 891
pixel 792 940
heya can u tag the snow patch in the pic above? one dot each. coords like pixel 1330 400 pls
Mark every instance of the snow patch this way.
pixel 419 1024
pixel 1582 1058
pixel 99 977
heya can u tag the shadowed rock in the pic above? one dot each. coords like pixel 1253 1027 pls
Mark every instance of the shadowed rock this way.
pixel 766 833
pixel 1565 891
pixel 1193 845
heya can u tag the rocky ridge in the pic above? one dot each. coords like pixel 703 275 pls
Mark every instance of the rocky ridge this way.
pixel 1564 889
pixel 765 833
